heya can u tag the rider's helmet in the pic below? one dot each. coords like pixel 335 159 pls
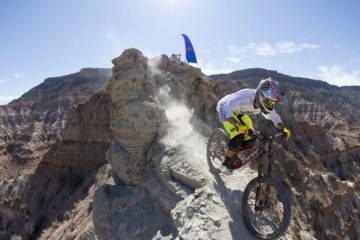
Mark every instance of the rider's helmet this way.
pixel 268 94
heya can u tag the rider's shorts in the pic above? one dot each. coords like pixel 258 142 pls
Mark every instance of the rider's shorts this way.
pixel 233 131
pixel 238 135
pixel 238 141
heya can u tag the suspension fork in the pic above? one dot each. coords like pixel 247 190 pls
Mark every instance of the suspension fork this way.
pixel 261 197
pixel 267 190
pixel 258 194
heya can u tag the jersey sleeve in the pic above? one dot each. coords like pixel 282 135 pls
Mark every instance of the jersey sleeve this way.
pixel 223 111
pixel 273 116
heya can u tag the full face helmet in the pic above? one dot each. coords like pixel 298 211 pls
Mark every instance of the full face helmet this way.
pixel 268 94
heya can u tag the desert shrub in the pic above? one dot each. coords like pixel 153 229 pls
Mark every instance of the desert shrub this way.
pixel 71 235
pixel 101 175
pixel 67 215
pixel 46 233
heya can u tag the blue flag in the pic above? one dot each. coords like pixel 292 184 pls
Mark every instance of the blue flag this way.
pixel 190 53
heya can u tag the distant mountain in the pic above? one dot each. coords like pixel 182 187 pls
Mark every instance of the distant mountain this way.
pixel 70 88
pixel 29 124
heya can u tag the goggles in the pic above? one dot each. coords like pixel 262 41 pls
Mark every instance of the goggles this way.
pixel 269 102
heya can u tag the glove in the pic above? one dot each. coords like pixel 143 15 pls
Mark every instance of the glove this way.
pixel 240 128
pixel 286 132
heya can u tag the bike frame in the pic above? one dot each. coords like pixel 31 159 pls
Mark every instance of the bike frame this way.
pixel 261 186
pixel 257 154
pixel 265 149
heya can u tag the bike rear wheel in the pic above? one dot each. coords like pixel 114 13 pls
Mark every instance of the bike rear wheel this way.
pixel 266 208
pixel 216 147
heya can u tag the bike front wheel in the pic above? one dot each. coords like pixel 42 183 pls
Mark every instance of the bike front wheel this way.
pixel 266 208
pixel 216 149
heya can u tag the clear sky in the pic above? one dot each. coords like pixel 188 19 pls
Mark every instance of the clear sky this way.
pixel 39 39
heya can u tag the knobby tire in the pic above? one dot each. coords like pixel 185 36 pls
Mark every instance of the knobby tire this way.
pixel 284 199
pixel 218 139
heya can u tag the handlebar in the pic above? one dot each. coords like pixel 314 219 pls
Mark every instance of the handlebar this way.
pixel 264 137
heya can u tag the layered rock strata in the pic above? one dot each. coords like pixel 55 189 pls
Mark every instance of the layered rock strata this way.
pixel 63 177
pixel 135 118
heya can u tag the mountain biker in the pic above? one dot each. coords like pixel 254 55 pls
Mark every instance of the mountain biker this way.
pixel 235 108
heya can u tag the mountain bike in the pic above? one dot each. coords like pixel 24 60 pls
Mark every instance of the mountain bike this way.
pixel 266 206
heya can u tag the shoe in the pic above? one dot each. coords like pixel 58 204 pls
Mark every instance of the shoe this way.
pixel 236 164
pixel 226 166
pixel 230 164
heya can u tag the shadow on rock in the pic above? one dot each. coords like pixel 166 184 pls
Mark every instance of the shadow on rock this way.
pixel 124 212
pixel 232 201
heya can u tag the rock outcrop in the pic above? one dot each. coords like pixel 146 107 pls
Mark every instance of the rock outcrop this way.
pixel 135 118
pixel 142 152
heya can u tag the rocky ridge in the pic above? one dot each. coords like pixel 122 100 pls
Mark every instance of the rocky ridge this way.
pixel 142 157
